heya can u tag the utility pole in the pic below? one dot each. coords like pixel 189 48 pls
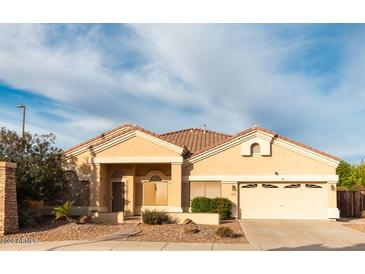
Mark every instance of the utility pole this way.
pixel 23 126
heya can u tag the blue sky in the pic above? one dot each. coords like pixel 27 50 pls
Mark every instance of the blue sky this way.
pixel 305 81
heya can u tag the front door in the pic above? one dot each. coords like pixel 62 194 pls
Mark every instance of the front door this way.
pixel 117 196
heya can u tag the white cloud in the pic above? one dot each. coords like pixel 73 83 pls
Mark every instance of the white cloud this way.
pixel 227 76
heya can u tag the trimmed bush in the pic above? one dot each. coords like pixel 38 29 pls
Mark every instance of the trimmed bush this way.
pixel 154 217
pixel 223 206
pixel 202 204
pixel 224 231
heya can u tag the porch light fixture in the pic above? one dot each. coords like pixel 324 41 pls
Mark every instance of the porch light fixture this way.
pixel 234 188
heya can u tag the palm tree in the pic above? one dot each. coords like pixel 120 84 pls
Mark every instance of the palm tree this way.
pixel 63 211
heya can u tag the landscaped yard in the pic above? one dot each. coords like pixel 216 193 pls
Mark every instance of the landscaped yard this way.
pixel 63 230
pixel 176 233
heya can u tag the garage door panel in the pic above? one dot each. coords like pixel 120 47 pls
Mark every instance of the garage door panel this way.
pixel 283 203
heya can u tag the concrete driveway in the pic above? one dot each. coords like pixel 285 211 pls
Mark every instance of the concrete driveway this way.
pixel 302 235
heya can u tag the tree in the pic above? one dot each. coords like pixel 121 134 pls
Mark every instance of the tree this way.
pixel 351 177
pixel 344 171
pixel 39 173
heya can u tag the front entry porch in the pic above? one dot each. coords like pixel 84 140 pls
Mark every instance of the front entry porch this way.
pixel 118 186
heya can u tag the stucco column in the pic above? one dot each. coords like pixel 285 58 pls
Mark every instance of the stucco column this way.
pixel 230 190
pixel 8 202
pixel 95 186
pixel 131 192
pixel 332 210
pixel 175 188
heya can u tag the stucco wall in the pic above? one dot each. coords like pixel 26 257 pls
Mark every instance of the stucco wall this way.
pixel 284 161
pixel 136 146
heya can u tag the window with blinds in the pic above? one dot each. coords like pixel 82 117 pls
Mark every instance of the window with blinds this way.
pixel 205 189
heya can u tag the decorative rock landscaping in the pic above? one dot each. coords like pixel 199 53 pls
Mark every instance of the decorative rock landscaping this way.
pixel 63 230
pixel 188 233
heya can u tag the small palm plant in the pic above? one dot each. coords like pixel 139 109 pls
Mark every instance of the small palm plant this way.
pixel 63 211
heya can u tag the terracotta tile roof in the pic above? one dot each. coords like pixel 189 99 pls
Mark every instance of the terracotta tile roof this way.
pixel 195 139
pixel 108 135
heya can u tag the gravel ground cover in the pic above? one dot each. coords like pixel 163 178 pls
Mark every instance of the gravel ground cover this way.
pixel 63 231
pixel 175 233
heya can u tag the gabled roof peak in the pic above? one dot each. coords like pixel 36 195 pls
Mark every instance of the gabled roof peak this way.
pixel 195 140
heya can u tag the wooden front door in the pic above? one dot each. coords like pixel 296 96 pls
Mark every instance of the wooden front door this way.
pixel 117 196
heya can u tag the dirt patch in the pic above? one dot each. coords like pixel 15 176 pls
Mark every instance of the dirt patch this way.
pixel 63 231
pixel 175 233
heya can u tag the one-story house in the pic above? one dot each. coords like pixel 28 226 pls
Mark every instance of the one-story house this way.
pixel 264 174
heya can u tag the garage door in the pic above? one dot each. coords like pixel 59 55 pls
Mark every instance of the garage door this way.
pixel 283 201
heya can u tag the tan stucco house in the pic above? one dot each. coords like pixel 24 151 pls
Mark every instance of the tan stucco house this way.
pixel 265 175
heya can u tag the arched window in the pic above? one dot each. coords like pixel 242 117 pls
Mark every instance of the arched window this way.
pixel 255 148
pixel 155 178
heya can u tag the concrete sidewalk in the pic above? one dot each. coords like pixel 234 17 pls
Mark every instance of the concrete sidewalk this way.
pixel 122 245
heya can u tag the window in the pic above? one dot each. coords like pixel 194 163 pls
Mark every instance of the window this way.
pixel 77 191
pixel 312 186
pixel 269 186
pixel 292 186
pixel 255 148
pixel 249 186
pixel 205 189
pixel 155 192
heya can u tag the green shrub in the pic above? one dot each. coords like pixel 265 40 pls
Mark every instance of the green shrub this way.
pixel 154 217
pixel 63 211
pixel 202 204
pixel 26 218
pixel 224 231
pixel 223 206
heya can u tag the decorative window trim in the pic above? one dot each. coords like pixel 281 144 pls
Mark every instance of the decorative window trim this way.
pixel 155 178
pixel 312 186
pixel 292 186
pixel 269 186
pixel 155 172
pixel 249 186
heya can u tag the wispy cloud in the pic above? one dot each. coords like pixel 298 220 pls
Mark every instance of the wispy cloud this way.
pixel 305 81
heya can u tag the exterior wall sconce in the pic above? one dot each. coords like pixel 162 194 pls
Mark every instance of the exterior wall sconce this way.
pixel 234 188
pixel 332 187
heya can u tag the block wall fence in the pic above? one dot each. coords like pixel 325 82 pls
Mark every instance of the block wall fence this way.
pixel 8 203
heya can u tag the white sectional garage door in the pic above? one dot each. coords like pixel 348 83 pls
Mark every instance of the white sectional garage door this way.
pixel 283 201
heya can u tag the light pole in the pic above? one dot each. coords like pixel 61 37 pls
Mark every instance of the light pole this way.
pixel 361 169
pixel 23 127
